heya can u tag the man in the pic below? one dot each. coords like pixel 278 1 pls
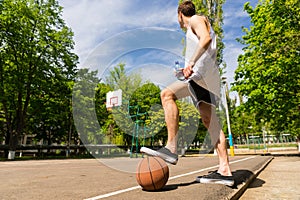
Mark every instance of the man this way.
pixel 202 83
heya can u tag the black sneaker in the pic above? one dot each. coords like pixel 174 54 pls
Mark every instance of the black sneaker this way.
pixel 163 153
pixel 217 178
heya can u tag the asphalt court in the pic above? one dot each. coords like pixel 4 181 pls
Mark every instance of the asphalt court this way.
pixel 91 179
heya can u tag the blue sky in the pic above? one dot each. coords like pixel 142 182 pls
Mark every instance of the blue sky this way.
pixel 106 30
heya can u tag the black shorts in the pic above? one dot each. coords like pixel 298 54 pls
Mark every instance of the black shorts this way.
pixel 200 94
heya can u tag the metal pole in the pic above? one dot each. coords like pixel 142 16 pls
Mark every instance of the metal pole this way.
pixel 227 117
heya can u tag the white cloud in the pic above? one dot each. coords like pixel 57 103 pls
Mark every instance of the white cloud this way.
pixel 96 20
pixel 163 75
pixel 89 19
pixel 231 56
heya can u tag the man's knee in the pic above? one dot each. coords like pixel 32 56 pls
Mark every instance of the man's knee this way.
pixel 167 95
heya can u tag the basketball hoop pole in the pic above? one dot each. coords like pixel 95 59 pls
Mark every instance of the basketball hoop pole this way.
pixel 136 129
pixel 224 82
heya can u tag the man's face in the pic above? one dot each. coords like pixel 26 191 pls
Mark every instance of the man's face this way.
pixel 180 20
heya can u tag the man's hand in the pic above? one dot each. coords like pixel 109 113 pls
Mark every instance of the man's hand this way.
pixel 188 71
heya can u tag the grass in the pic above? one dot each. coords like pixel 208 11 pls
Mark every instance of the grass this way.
pixel 252 146
pixel 261 145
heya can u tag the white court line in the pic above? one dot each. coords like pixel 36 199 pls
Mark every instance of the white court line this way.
pixel 113 193
pixel 171 178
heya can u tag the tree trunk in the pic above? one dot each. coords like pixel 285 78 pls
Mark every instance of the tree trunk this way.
pixel 13 142
pixel 14 134
pixel 7 138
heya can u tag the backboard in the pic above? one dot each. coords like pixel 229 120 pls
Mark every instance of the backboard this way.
pixel 114 98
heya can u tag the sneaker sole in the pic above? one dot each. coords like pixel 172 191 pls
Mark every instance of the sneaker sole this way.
pixel 163 156
pixel 215 181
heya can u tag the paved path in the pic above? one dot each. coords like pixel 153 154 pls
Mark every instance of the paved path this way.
pixel 278 181
pixel 84 179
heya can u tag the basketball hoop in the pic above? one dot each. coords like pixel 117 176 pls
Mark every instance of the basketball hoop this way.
pixel 114 101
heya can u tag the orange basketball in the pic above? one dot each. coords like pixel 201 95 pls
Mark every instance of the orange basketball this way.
pixel 152 173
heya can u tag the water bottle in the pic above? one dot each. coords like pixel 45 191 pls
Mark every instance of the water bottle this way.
pixel 178 72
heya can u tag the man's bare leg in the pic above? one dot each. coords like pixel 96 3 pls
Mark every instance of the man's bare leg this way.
pixel 210 121
pixel 171 117
pixel 224 168
pixel 168 98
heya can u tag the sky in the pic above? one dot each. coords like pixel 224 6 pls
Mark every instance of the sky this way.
pixel 144 35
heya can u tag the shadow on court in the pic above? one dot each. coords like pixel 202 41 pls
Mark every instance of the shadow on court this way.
pixel 257 183
pixel 170 187
pixel 239 176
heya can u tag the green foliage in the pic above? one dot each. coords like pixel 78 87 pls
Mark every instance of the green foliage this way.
pixel 189 126
pixel 84 107
pixel 36 66
pixel 100 100
pixel 146 96
pixel 118 79
pixel 268 71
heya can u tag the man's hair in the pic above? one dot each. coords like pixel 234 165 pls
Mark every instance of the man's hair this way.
pixel 187 8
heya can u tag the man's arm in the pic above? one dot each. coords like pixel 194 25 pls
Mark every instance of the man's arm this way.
pixel 200 27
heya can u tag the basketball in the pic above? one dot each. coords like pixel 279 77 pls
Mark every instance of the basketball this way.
pixel 152 173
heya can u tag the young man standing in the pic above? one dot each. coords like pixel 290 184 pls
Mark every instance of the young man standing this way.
pixel 202 83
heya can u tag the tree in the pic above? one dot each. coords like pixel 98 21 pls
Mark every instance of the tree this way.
pixel 118 79
pixel 268 71
pixel 100 101
pixel 85 107
pixel 147 100
pixel 36 59
pixel 50 116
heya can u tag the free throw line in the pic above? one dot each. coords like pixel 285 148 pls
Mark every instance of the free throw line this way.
pixel 171 178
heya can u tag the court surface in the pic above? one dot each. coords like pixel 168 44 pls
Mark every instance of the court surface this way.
pixel 280 180
pixel 91 179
